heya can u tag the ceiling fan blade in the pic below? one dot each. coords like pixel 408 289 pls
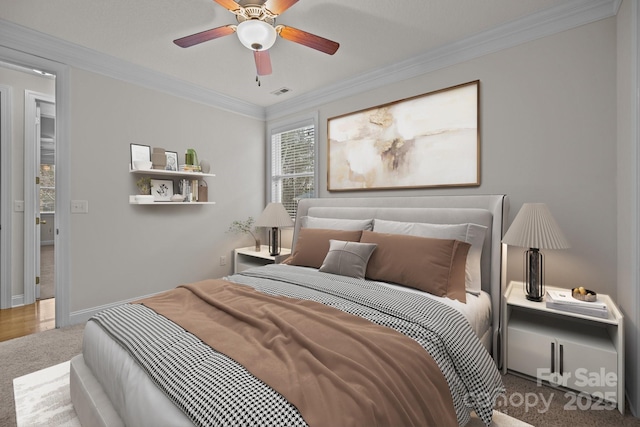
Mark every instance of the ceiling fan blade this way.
pixel 278 6
pixel 204 36
pixel 228 4
pixel 263 62
pixel 308 39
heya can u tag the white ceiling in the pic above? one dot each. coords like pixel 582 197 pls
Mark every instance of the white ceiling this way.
pixel 373 35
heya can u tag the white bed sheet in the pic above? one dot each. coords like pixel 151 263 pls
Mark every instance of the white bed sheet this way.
pixel 125 383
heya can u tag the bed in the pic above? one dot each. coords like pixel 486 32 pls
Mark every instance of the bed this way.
pixel 428 345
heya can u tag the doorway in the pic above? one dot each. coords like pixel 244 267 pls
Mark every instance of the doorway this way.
pixel 12 199
pixel 39 166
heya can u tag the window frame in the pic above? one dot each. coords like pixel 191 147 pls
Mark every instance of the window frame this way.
pixel 281 126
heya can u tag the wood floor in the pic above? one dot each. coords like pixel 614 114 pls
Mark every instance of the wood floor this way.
pixel 28 319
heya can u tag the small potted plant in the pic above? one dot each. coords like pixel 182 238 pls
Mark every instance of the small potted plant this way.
pixel 144 188
pixel 244 227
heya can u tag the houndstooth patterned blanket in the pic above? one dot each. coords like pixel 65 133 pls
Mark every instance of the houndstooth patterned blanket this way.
pixel 212 389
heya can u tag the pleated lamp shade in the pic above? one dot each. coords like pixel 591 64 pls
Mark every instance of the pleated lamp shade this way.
pixel 534 227
pixel 274 215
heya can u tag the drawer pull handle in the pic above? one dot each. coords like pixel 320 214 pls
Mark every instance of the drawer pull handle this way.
pixel 561 358
pixel 553 359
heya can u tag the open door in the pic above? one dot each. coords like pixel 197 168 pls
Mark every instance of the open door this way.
pixel 47 200
pixel 37 107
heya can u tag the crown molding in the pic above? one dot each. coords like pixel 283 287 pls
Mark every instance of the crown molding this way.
pixel 19 38
pixel 551 21
pixel 567 16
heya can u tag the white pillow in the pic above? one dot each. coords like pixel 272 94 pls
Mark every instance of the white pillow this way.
pixel 337 223
pixel 469 233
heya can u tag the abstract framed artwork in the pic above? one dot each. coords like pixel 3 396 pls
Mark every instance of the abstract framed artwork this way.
pixel 430 140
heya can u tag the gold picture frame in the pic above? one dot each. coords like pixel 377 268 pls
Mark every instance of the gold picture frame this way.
pixel 429 140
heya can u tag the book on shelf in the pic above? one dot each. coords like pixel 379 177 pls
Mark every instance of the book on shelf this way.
pixel 564 301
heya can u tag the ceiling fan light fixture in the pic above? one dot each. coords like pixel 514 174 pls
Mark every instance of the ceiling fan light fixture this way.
pixel 256 35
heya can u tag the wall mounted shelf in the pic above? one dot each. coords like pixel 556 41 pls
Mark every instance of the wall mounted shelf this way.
pixel 159 173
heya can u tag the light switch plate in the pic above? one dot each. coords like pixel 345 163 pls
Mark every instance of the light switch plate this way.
pixel 18 205
pixel 79 206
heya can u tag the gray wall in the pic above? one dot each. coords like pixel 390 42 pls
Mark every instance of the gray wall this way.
pixel 121 251
pixel 548 129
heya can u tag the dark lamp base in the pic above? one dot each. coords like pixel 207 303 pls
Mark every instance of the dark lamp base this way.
pixel 532 298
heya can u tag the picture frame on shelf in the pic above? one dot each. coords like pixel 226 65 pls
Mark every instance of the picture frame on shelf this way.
pixel 140 152
pixel 162 190
pixel 172 161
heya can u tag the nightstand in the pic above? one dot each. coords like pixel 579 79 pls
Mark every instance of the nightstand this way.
pixel 244 258
pixel 574 351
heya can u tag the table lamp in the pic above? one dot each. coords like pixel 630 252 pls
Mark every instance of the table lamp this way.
pixel 275 217
pixel 535 228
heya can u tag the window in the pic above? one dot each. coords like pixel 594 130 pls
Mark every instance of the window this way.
pixel 47 188
pixel 292 165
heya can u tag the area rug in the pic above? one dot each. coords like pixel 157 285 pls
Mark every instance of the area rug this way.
pixel 43 399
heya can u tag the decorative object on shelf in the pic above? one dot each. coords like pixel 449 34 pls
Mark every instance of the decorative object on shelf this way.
pixel 275 217
pixel 140 153
pixel 394 146
pixel 565 300
pixel 244 227
pixel 144 185
pixel 144 188
pixel 159 158
pixel 177 198
pixel 203 191
pixel 172 161
pixel 142 165
pixel 582 294
pixel 191 157
pixel 186 190
pixel 205 166
pixel 535 228
pixel 162 190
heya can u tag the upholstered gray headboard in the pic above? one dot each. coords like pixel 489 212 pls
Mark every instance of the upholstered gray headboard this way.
pixel 491 211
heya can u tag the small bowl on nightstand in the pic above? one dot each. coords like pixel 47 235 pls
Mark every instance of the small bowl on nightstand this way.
pixel 583 294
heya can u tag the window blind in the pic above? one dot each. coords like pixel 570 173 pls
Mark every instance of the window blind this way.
pixel 293 166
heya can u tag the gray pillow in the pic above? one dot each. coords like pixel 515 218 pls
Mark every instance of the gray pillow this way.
pixel 347 258
pixel 337 223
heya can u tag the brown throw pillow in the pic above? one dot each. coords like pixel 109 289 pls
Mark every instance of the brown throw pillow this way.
pixel 433 265
pixel 312 245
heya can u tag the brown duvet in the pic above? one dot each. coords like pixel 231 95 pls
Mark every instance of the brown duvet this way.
pixel 337 369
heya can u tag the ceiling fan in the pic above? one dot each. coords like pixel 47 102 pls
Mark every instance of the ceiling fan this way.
pixel 257 31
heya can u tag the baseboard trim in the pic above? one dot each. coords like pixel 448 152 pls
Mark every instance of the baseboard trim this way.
pixel 81 316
